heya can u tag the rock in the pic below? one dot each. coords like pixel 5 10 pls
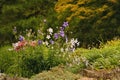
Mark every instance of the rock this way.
pixel 2 76
pixel 87 78
pixel 5 77
pixel 103 74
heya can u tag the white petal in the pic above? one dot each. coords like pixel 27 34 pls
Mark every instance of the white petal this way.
pixel 48 37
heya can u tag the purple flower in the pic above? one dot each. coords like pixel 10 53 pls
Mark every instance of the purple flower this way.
pixel 51 41
pixel 65 24
pixel 21 38
pixel 39 42
pixel 62 34
pixel 56 35
pixel 61 28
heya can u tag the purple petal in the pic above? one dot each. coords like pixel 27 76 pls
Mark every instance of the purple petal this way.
pixel 56 35
pixel 61 28
pixel 39 42
pixel 51 41
pixel 62 33
pixel 21 38
pixel 65 24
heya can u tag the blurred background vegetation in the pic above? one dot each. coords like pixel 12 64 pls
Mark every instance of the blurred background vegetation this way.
pixel 91 21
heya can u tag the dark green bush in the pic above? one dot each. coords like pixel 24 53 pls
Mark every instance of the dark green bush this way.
pixel 29 61
pixel 23 15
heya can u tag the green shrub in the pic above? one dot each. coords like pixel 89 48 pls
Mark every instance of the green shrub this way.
pixel 29 61
pixel 107 57
pixel 6 58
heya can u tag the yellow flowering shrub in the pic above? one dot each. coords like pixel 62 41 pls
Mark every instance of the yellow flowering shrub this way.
pixel 83 8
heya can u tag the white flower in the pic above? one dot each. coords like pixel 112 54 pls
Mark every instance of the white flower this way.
pixel 50 30
pixel 46 43
pixel 15 45
pixel 72 40
pixel 29 34
pixel 78 43
pixel 48 37
pixel 76 40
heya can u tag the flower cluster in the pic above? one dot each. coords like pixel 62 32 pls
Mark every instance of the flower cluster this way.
pixel 23 43
pixel 61 32
pixel 50 39
pixel 17 46
pixel 71 45
pixel 74 43
pixel 51 36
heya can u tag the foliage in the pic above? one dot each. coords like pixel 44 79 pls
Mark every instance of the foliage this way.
pixel 24 15
pixel 32 60
pixel 43 44
pixel 92 21
pixel 107 57
pixel 29 61
pixel 6 58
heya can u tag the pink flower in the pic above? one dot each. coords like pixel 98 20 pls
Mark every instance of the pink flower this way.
pixel 33 43
pixel 20 44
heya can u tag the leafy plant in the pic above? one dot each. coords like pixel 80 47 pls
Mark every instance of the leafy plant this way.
pixel 107 57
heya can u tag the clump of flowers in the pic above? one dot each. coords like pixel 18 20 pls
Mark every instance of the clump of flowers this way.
pixel 51 38
pixel 23 43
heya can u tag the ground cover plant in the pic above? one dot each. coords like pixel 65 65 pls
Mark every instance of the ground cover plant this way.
pixel 106 57
pixel 33 53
